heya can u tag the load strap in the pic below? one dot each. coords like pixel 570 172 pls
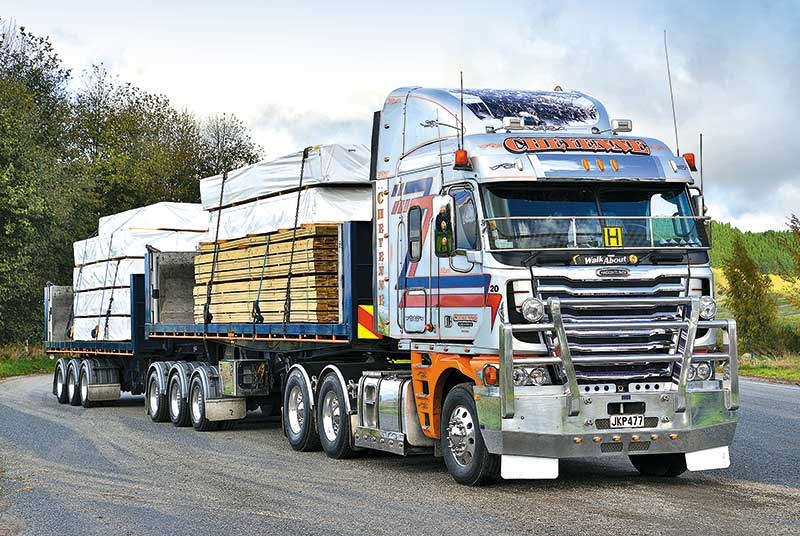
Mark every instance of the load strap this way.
pixel 287 304
pixel 207 316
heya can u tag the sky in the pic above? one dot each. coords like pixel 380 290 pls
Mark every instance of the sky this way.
pixel 304 73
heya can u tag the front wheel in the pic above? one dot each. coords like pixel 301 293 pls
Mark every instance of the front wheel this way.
pixel 668 465
pixel 465 454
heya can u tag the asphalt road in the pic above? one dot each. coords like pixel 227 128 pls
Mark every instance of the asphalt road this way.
pixel 109 470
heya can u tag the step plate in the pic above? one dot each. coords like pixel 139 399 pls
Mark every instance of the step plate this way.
pixel 372 438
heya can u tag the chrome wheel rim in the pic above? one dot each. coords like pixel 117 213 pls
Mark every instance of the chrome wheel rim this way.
pixel 331 416
pixel 296 409
pixel 84 388
pixel 461 435
pixel 71 386
pixel 197 399
pixel 153 396
pixel 59 383
pixel 174 399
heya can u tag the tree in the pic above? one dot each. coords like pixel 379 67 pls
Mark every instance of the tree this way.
pixel 754 307
pixel 227 145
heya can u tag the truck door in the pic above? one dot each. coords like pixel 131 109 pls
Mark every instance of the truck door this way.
pixel 459 296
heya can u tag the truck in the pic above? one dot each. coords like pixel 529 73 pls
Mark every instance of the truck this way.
pixel 533 284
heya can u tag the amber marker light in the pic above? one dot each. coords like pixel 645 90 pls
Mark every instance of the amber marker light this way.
pixel 673 436
pixel 614 165
pixel 490 375
pixel 600 165
pixel 597 439
pixel 690 161
pixel 578 440
pixel 585 164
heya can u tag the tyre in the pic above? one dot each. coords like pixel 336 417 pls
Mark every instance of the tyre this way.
pixel 666 465
pixel 156 401
pixel 73 393
pixel 333 422
pixel 178 406
pixel 83 388
pixel 465 454
pixel 197 406
pixel 60 384
pixel 298 417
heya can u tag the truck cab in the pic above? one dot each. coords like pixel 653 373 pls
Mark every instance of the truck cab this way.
pixel 557 273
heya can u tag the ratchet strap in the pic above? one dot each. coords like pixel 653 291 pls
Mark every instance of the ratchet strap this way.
pixel 287 304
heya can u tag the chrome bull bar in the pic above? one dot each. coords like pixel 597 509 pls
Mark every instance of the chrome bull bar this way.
pixel 688 329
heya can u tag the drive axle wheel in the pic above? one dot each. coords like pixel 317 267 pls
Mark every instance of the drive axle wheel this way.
pixel 298 416
pixel 465 454
pixel 178 407
pixel 156 401
pixel 333 422
pixel 668 465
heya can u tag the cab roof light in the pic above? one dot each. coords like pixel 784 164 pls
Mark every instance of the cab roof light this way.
pixel 690 161
pixel 462 160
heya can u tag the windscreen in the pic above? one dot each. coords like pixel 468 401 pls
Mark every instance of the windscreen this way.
pixel 532 217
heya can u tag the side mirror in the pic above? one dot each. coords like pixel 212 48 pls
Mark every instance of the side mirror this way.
pixel 699 205
pixel 444 230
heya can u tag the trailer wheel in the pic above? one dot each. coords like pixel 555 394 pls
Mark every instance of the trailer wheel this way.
pixel 156 401
pixel 465 454
pixel 73 394
pixel 60 383
pixel 178 406
pixel 298 417
pixel 83 386
pixel 667 465
pixel 333 422
pixel 197 406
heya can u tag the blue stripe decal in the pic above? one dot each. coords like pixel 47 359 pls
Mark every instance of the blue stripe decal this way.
pixel 451 281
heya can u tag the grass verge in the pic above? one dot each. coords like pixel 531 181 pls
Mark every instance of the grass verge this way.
pixel 785 368
pixel 15 361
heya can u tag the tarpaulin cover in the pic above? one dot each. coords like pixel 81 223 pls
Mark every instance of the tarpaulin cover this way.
pixel 95 302
pixel 134 244
pixel 119 328
pixel 325 165
pixel 317 205
pixel 107 274
pixel 165 216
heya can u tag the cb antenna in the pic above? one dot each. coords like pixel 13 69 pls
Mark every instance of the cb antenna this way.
pixel 671 96
pixel 461 137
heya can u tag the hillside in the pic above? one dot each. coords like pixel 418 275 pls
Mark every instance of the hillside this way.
pixel 766 248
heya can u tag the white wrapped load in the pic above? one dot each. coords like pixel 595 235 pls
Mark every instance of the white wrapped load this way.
pixel 160 216
pixel 96 302
pixel 116 273
pixel 134 243
pixel 118 328
pixel 317 205
pixel 325 165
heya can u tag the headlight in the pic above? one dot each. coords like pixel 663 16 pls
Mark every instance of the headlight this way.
pixel 532 310
pixel 704 371
pixel 531 376
pixel 692 372
pixel 708 308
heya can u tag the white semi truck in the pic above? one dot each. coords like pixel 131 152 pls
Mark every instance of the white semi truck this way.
pixel 533 285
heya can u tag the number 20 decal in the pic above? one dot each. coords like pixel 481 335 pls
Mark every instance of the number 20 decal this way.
pixel 494 288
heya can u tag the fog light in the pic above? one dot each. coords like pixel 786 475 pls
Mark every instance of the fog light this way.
pixel 692 372
pixel 704 370
pixel 532 310
pixel 708 308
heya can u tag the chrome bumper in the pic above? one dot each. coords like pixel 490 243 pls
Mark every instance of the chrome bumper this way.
pixel 560 421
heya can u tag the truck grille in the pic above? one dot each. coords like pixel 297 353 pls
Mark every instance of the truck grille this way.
pixel 619 341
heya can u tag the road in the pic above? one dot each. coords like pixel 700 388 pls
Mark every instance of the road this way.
pixel 109 470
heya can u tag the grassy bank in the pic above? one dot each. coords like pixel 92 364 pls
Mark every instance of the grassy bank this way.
pixel 15 361
pixel 786 368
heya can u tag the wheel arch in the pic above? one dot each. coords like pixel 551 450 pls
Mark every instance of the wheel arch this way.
pixel 333 369
pixel 307 379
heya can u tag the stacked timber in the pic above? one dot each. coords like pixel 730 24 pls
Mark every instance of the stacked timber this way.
pixel 254 211
pixel 101 303
pixel 256 269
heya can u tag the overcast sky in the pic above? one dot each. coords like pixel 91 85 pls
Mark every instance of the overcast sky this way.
pixel 302 73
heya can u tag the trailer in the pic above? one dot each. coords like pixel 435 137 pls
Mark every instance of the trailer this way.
pixel 530 285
